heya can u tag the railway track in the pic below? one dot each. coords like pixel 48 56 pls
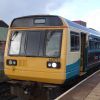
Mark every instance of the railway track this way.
pixel 5 91
pixel 4 87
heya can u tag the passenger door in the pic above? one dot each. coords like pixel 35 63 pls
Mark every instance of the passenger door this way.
pixel 83 52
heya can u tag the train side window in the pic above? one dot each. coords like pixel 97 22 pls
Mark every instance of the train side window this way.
pixel 91 44
pixel 75 43
pixel 99 45
pixel 94 44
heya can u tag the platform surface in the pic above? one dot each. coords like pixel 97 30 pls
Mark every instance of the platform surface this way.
pixel 87 90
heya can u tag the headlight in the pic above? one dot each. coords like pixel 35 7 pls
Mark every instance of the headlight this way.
pixel 11 62
pixel 49 64
pixel 14 62
pixel 53 64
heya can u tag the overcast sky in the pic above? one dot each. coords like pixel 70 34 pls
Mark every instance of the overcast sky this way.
pixel 86 10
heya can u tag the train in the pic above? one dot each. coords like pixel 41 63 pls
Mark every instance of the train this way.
pixel 48 50
pixel 3 36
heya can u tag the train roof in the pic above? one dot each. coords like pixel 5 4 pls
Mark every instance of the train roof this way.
pixel 3 30
pixel 15 23
pixel 3 33
pixel 3 24
pixel 82 28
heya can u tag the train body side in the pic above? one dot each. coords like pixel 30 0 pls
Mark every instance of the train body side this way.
pixel 3 36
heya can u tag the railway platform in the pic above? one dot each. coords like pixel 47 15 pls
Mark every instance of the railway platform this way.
pixel 88 89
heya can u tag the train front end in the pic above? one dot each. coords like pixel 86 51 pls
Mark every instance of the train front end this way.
pixel 36 49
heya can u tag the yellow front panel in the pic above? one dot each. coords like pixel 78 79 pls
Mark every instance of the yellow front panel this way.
pixel 35 68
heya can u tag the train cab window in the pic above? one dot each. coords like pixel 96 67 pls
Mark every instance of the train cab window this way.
pixel 75 43
pixel 33 43
pixel 36 43
pixel 53 43
pixel 15 43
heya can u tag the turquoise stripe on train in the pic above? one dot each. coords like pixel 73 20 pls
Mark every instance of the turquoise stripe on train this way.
pixel 73 69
